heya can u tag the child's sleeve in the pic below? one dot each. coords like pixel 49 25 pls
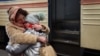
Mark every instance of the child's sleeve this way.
pixel 16 48
pixel 45 29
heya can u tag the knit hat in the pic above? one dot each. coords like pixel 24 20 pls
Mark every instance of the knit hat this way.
pixel 12 12
pixel 34 18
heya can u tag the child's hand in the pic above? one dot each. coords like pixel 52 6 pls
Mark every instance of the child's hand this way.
pixel 37 27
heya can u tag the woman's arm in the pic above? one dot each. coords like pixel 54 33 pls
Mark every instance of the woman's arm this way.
pixel 45 29
pixel 17 36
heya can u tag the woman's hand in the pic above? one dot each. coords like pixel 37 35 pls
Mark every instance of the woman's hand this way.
pixel 42 39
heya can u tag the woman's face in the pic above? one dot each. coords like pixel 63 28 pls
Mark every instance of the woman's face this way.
pixel 20 20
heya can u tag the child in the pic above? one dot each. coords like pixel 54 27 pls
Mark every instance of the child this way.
pixel 32 21
pixel 31 24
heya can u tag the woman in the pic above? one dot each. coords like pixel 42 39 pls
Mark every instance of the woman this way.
pixel 15 29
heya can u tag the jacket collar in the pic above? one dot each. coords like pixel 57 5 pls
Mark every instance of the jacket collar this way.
pixel 17 27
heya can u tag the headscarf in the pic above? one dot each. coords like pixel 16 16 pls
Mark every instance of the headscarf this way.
pixel 12 12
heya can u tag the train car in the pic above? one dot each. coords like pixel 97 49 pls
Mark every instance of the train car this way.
pixel 90 26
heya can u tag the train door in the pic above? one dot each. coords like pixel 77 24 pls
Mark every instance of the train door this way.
pixel 64 22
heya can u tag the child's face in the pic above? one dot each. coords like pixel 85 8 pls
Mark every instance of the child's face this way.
pixel 33 26
pixel 28 25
